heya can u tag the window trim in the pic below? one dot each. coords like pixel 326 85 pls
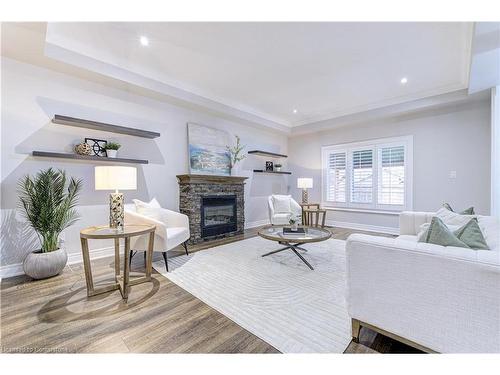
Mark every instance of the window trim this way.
pixel 375 145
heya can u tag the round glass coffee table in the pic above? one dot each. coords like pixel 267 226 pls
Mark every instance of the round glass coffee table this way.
pixel 292 240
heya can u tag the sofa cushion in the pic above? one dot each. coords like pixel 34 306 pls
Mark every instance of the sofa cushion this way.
pixel 281 203
pixel 150 209
pixel 490 226
pixel 471 235
pixel 439 234
pixel 467 211
pixel 452 218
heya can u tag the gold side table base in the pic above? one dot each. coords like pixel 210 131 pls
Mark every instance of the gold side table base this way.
pixel 122 282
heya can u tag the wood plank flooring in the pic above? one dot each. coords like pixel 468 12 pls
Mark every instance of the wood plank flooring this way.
pixel 55 316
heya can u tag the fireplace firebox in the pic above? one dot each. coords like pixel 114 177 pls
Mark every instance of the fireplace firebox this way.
pixel 218 215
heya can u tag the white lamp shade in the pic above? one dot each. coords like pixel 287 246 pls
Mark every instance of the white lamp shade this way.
pixel 304 183
pixel 115 178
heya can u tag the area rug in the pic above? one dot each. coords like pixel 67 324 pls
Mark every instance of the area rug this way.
pixel 277 298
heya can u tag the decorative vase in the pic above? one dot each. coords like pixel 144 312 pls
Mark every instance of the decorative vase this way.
pixel 40 265
pixel 277 169
pixel 295 227
pixel 111 153
pixel 234 171
pixel 83 149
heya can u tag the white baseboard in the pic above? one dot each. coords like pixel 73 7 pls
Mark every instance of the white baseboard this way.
pixel 258 223
pixel 363 227
pixel 11 270
pixel 73 258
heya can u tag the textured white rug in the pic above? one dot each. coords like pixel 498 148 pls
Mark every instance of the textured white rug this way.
pixel 277 298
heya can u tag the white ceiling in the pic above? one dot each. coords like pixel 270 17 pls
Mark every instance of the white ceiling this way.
pixel 265 70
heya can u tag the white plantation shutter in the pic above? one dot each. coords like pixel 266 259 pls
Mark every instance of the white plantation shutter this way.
pixel 362 176
pixel 369 175
pixel 336 177
pixel 391 187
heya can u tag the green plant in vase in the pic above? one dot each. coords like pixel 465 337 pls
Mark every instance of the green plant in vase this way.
pixel 112 149
pixel 48 203
pixel 235 154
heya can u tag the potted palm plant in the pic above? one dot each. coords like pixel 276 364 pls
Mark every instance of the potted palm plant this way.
pixel 48 203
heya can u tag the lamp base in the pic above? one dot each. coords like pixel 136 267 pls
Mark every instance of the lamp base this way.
pixel 305 196
pixel 116 213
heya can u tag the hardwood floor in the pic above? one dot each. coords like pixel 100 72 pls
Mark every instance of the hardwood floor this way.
pixel 55 315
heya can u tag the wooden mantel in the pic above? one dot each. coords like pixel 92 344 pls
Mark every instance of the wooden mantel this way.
pixel 209 179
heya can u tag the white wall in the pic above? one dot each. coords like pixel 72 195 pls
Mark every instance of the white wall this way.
pixel 495 151
pixel 446 139
pixel 32 95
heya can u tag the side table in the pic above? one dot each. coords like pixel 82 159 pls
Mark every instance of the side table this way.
pixel 307 206
pixel 309 214
pixel 122 283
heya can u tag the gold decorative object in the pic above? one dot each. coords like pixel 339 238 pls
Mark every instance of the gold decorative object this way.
pixel 83 149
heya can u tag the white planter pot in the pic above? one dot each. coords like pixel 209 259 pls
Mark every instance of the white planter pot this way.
pixel 234 171
pixel 40 265
pixel 111 153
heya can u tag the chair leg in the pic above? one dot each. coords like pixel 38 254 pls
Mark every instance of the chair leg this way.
pixel 165 259
pixel 185 247
pixel 132 253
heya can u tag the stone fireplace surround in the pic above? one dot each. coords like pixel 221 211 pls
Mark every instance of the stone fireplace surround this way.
pixel 193 187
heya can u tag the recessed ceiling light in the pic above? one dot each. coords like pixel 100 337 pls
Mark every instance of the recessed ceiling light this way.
pixel 144 41
pixel 295 111
pixel 404 80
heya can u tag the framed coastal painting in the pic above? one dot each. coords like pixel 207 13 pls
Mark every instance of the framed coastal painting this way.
pixel 207 150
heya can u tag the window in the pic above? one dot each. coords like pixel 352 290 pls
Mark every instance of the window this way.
pixel 336 177
pixel 369 175
pixel 362 176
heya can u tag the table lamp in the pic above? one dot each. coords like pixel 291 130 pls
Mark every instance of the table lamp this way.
pixel 116 178
pixel 304 184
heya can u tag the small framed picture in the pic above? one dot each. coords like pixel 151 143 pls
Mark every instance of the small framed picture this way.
pixel 97 146
pixel 269 166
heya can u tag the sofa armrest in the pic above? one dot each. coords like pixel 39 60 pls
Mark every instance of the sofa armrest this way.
pixel 443 298
pixel 410 221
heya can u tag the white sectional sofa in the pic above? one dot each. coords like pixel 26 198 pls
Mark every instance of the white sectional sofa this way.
pixel 435 298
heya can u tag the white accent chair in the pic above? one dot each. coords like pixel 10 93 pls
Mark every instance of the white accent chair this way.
pixel 172 230
pixel 436 298
pixel 280 214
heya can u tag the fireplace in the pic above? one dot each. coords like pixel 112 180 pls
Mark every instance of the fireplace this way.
pixel 218 215
pixel 215 205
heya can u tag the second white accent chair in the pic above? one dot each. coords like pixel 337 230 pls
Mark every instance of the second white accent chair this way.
pixel 172 228
pixel 281 208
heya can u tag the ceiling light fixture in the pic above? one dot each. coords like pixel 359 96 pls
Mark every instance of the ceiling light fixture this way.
pixel 295 111
pixel 404 80
pixel 144 41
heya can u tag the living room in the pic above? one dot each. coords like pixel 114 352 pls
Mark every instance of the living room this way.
pixel 166 189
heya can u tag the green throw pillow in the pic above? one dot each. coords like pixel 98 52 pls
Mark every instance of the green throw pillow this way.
pixel 471 235
pixel 439 234
pixel 468 211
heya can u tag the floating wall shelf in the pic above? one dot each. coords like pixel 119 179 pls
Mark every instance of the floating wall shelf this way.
pixel 87 124
pixel 58 155
pixel 265 153
pixel 271 172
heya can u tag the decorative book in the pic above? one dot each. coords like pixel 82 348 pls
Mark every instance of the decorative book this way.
pixel 290 231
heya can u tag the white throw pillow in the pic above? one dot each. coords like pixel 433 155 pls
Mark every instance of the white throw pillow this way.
pixel 151 209
pixel 452 218
pixel 281 203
